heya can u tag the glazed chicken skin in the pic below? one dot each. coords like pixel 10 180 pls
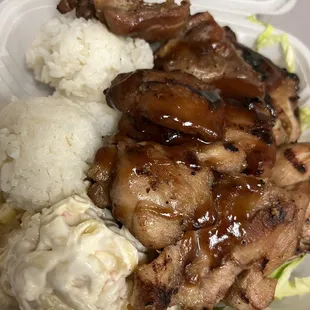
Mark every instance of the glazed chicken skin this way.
pixel 205 52
pixel 256 231
pixel 152 22
pixel 176 108
pixel 192 111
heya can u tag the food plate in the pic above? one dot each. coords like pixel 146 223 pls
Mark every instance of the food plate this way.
pixel 21 19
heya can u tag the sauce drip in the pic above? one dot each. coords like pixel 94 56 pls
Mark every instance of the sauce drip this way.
pixel 235 199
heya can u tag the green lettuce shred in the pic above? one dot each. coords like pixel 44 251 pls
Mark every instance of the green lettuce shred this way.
pixel 288 52
pixel 287 287
pixel 304 118
pixel 268 38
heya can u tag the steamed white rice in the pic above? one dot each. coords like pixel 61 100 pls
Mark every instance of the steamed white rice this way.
pixel 80 58
pixel 46 145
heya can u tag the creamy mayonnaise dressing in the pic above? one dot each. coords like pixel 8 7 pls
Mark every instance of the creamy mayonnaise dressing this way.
pixel 70 256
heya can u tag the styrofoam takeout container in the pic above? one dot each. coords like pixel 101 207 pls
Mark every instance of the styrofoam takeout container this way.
pixel 245 7
pixel 20 20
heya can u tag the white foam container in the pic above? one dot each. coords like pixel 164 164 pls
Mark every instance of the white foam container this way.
pixel 20 20
pixel 246 7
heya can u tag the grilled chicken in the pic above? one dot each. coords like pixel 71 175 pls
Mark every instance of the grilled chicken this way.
pixel 101 174
pixel 285 100
pixel 257 227
pixel 282 88
pixel 292 165
pixel 253 289
pixel 152 22
pixel 304 189
pixel 169 103
pixel 159 192
pixel 205 52
pixel 176 108
pixel 156 190
pixel 249 125
pixel 292 171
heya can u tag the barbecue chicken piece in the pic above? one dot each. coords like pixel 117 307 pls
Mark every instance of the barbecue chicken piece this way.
pixel 285 100
pixel 156 190
pixel 249 124
pixel 256 230
pixel 292 165
pixel 136 18
pixel 253 289
pixel 205 52
pixel 169 103
pixel 173 108
pixel 282 88
pixel 304 244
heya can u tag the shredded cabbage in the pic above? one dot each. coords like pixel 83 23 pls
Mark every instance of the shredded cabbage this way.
pixel 293 287
pixel 267 38
pixel 305 118
pixel 288 52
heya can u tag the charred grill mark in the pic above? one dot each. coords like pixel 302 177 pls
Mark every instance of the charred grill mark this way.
pixel 156 296
pixel 255 61
pixel 263 134
pixel 230 147
pixel 299 166
pixel 290 75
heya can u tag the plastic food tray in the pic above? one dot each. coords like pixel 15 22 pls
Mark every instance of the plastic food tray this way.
pixel 20 20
